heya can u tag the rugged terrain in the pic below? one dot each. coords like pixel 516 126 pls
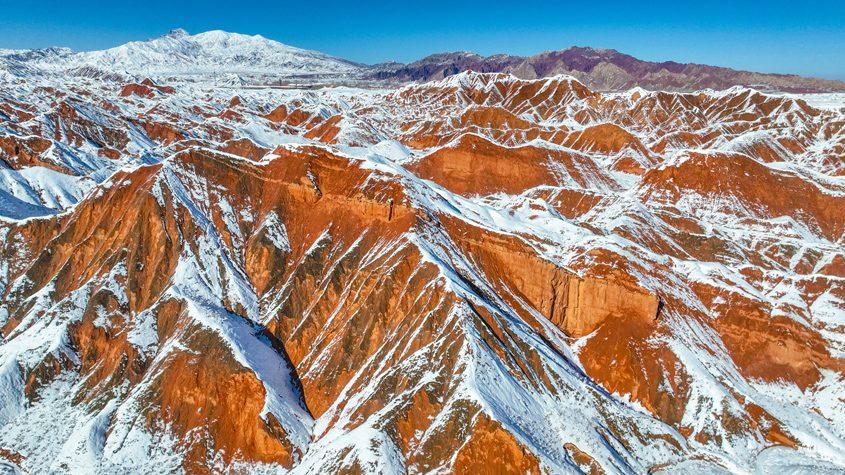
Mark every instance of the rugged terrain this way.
pixel 481 272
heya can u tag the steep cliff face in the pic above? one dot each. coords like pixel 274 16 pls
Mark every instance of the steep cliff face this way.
pixel 590 302
pixel 483 273
pixel 577 305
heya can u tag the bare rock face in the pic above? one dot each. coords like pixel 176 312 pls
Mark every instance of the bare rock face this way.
pixel 474 165
pixel 146 89
pixel 590 302
pixel 492 446
pixel 576 305
pixel 482 274
pixel 23 152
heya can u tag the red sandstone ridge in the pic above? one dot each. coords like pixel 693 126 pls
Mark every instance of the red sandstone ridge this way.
pixel 577 305
pixel 482 274
pixel 771 193
pixel 474 165
pixel 146 88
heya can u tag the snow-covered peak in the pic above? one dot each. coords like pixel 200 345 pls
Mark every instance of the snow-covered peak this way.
pixel 7 52
pixel 36 55
pixel 213 52
pixel 177 33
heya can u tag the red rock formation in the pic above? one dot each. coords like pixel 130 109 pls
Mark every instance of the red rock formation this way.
pixel 491 446
pixel 576 305
pixel 773 193
pixel 477 166
pixel 146 88
pixel 18 152
pixel 505 303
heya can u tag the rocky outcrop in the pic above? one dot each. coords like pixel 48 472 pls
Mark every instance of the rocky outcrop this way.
pixel 491 446
pixel 576 305
pixel 736 178
pixel 20 152
pixel 477 166
pixel 589 302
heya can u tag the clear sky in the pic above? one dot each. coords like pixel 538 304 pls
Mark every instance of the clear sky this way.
pixel 804 37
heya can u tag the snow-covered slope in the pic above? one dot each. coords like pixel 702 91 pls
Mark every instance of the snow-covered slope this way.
pixel 205 54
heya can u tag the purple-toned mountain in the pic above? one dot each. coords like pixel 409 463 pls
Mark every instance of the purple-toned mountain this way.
pixel 604 70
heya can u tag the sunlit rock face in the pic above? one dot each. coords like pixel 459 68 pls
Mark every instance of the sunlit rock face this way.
pixel 481 274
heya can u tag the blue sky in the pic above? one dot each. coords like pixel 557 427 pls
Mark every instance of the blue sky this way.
pixel 804 37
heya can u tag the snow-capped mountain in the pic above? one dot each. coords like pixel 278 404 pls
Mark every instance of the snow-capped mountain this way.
pixel 205 54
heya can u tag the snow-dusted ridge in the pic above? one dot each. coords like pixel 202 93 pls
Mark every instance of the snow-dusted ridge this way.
pixel 205 54
pixel 104 137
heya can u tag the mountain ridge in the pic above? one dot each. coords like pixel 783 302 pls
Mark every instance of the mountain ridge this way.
pixel 260 60
pixel 605 69
pixel 179 53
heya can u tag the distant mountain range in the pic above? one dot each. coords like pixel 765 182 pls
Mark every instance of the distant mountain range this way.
pixel 604 70
pixel 258 60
